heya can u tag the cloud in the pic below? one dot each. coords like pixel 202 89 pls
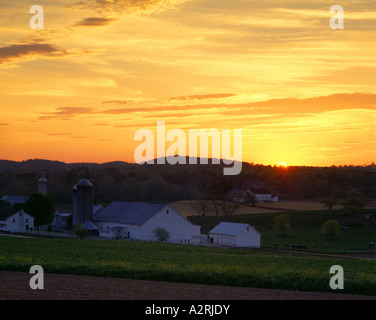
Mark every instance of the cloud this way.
pixel 204 97
pixel 59 134
pixel 130 6
pixel 65 113
pixel 94 22
pixel 117 101
pixel 29 51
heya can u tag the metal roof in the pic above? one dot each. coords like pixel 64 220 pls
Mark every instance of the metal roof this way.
pixel 229 228
pixel 15 199
pixel 128 212
pixel 88 225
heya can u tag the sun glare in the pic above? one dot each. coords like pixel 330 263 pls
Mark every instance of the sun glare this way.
pixel 282 165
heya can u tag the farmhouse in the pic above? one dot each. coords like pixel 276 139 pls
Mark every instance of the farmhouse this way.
pixel 229 234
pixel 261 195
pixel 236 195
pixel 137 221
pixel 12 221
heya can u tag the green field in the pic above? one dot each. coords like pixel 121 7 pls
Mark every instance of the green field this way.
pixel 305 230
pixel 178 263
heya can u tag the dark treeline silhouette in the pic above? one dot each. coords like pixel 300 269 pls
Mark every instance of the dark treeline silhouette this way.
pixel 123 181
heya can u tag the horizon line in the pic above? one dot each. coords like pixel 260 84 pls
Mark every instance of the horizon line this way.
pixel 199 158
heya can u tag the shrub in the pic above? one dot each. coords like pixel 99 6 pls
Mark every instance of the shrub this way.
pixel 330 228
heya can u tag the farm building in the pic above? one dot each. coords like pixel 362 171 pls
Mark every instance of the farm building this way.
pixel 19 221
pixel 15 199
pixel 229 234
pixel 261 195
pixel 138 220
pixel 236 195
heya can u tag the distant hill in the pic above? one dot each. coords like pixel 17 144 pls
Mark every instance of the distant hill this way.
pixel 47 165
pixel 123 181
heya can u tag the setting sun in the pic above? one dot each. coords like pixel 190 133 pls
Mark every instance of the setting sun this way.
pixel 282 164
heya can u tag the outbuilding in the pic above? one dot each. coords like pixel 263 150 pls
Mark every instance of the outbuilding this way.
pixel 230 234
pixel 19 221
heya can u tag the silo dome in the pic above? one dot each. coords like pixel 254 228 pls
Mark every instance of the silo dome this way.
pixel 84 183
pixel 42 179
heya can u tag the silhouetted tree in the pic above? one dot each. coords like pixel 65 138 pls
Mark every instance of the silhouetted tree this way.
pixel 281 224
pixel 353 204
pixel 41 207
pixel 329 202
pixel 250 198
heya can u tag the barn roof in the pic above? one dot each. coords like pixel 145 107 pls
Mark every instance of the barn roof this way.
pixel 128 212
pixel 229 228
pixel 15 199
pixel 260 191
pixel 88 225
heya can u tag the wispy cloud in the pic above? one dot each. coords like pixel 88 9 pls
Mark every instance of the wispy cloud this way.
pixel 117 101
pixel 204 97
pixel 65 113
pixel 94 22
pixel 29 51
pixel 59 134
pixel 129 6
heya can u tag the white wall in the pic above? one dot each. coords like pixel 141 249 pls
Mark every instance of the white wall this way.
pixel 223 240
pixel 181 230
pixel 248 237
pixel 104 229
pixel 20 222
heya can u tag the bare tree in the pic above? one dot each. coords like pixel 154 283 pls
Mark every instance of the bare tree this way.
pixel 161 234
pixel 202 207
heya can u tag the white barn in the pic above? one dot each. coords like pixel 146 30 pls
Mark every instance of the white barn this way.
pixel 137 221
pixel 16 221
pixel 230 234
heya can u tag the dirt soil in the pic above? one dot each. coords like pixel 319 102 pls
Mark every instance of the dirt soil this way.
pixel 15 286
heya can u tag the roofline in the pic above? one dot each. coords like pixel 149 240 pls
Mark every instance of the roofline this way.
pixel 226 234
pixel 167 205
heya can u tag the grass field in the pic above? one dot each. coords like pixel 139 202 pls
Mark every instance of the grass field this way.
pixel 293 270
pixel 177 263
pixel 305 230
pixel 186 209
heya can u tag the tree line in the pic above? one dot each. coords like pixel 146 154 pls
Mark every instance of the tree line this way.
pixel 120 181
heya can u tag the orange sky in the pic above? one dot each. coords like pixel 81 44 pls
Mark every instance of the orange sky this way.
pixel 78 90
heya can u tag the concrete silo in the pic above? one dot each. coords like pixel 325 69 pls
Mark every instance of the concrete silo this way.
pixel 83 201
pixel 42 186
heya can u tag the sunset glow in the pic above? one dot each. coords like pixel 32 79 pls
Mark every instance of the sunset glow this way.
pixel 78 90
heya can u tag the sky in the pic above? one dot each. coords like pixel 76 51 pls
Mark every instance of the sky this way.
pixel 100 70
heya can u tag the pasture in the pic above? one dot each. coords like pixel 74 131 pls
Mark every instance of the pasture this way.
pixel 178 263
pixel 305 230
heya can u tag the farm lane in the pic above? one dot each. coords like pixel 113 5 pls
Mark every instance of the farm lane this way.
pixel 15 286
